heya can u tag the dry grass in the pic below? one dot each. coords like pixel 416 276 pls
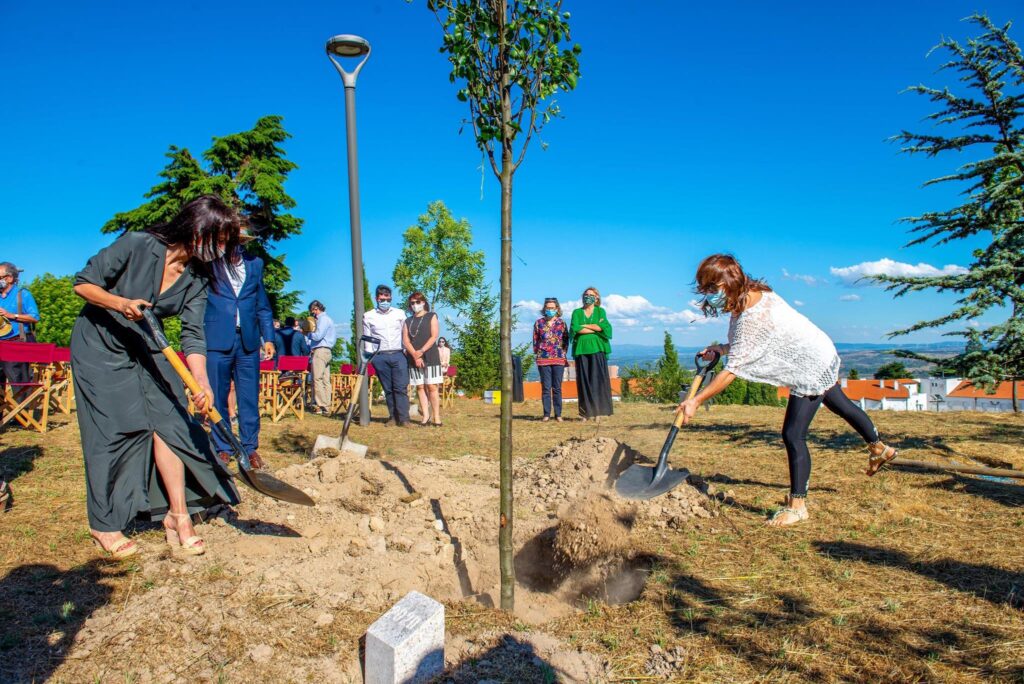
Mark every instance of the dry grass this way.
pixel 901 577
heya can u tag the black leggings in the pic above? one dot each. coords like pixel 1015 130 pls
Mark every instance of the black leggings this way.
pixel 799 414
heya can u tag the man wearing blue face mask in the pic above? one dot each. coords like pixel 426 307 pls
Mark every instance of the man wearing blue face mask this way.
pixel 386 323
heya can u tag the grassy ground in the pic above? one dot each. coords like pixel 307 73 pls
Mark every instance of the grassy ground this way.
pixel 901 577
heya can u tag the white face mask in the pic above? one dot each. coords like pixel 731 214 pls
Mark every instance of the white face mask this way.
pixel 209 253
pixel 417 307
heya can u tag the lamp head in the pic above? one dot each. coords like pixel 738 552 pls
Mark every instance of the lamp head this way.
pixel 346 45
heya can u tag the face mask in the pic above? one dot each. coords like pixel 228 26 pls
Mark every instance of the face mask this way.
pixel 384 306
pixel 417 307
pixel 209 253
pixel 717 301
pixel 589 299
pixel 550 313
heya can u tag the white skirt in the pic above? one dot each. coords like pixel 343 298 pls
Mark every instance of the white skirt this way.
pixel 428 375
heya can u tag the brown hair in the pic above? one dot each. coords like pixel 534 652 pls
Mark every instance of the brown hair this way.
pixel 418 297
pixel 596 291
pixel 558 307
pixel 724 269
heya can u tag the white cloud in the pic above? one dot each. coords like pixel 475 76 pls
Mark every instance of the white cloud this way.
pixel 531 305
pixel 852 275
pixel 627 305
pixel 972 323
pixel 648 328
pixel 797 302
pixel 806 279
pixel 850 298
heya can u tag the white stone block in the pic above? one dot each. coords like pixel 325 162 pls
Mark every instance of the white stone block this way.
pixel 406 644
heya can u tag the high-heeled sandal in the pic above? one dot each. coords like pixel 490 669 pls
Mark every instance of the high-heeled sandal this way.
pixel 876 461
pixel 193 546
pixel 120 549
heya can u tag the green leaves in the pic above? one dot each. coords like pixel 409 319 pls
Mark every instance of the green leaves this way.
pixel 984 118
pixel 247 169
pixel 58 307
pixel 438 260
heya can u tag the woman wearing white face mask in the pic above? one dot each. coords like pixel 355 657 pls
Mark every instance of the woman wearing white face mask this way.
pixel 131 404
pixel 771 342
pixel 419 337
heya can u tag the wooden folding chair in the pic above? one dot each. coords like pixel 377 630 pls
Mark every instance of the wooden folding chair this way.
pixel 290 387
pixel 268 389
pixel 448 387
pixel 62 386
pixel 342 384
pixel 29 402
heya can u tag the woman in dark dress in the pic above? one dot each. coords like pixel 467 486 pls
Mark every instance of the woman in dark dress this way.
pixel 591 332
pixel 419 337
pixel 143 452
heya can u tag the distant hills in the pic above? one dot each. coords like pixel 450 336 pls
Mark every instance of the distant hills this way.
pixel 866 358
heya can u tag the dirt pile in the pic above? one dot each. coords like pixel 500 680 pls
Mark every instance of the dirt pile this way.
pixel 278 575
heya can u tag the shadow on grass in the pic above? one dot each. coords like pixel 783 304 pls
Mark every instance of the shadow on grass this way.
pixel 292 442
pixel 998 586
pixel 1009 493
pixel 17 461
pixel 42 610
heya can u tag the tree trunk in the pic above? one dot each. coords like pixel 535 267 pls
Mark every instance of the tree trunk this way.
pixel 505 547
pixel 1016 404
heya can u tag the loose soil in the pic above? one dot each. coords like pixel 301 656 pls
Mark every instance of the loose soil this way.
pixel 903 576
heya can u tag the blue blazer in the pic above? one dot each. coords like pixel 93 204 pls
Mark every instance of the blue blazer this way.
pixel 252 306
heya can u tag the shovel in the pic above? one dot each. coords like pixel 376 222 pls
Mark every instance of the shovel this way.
pixel 264 483
pixel 644 482
pixel 342 444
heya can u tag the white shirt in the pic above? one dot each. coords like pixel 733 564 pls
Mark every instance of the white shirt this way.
pixel 236 276
pixel 772 342
pixel 386 326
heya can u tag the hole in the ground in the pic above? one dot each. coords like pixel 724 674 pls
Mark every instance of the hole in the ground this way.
pixel 613 580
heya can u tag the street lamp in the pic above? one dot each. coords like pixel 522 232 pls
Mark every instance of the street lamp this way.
pixel 348 46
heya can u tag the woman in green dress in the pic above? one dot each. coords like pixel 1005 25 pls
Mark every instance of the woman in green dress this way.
pixel 590 349
pixel 143 452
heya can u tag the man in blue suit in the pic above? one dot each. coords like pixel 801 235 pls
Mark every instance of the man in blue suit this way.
pixel 238 314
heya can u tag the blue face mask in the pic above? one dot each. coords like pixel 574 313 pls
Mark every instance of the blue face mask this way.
pixel 384 306
pixel 589 299
pixel 550 313
pixel 717 301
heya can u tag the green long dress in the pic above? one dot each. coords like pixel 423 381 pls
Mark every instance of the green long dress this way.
pixel 126 390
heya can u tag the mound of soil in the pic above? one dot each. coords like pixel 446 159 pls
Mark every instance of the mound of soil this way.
pixel 276 575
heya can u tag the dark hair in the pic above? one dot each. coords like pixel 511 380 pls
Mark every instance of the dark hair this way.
pixel 381 289
pixel 203 222
pixel 725 269
pixel 441 339
pixel 315 304
pixel 289 322
pixel 418 297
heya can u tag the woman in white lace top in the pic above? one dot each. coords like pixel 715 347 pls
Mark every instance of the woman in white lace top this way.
pixel 770 342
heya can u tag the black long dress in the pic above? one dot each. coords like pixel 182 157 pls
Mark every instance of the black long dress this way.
pixel 127 391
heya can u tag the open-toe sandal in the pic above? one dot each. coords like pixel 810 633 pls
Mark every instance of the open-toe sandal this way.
pixel 120 549
pixel 800 513
pixel 875 463
pixel 192 546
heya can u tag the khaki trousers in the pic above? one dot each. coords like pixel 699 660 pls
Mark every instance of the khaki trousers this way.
pixel 322 377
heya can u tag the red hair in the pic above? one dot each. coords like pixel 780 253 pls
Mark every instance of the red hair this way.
pixel 723 270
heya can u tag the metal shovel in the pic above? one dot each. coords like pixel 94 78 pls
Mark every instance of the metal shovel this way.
pixel 644 482
pixel 343 444
pixel 262 482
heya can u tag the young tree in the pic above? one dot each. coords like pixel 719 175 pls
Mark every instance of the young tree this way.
pixel 987 122
pixel 248 170
pixel 670 376
pixel 854 374
pixel 509 58
pixel 438 260
pixel 476 345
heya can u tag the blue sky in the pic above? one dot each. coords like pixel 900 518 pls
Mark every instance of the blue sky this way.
pixel 747 127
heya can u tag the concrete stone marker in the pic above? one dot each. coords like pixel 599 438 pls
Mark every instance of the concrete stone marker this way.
pixel 406 644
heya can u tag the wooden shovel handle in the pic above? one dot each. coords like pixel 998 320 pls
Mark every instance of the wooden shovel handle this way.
pixel 190 381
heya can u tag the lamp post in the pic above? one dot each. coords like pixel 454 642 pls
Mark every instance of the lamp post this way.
pixel 353 46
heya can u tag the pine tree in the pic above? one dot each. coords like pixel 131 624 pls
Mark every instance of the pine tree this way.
pixel 248 170
pixel 853 374
pixel 988 123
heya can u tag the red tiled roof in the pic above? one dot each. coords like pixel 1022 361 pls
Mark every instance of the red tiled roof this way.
pixel 967 390
pixel 874 390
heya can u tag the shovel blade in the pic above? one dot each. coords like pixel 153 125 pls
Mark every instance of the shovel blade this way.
pixel 268 485
pixel 335 447
pixel 636 482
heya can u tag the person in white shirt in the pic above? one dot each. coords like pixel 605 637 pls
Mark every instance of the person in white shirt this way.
pixel 387 323
pixel 321 344
pixel 771 342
